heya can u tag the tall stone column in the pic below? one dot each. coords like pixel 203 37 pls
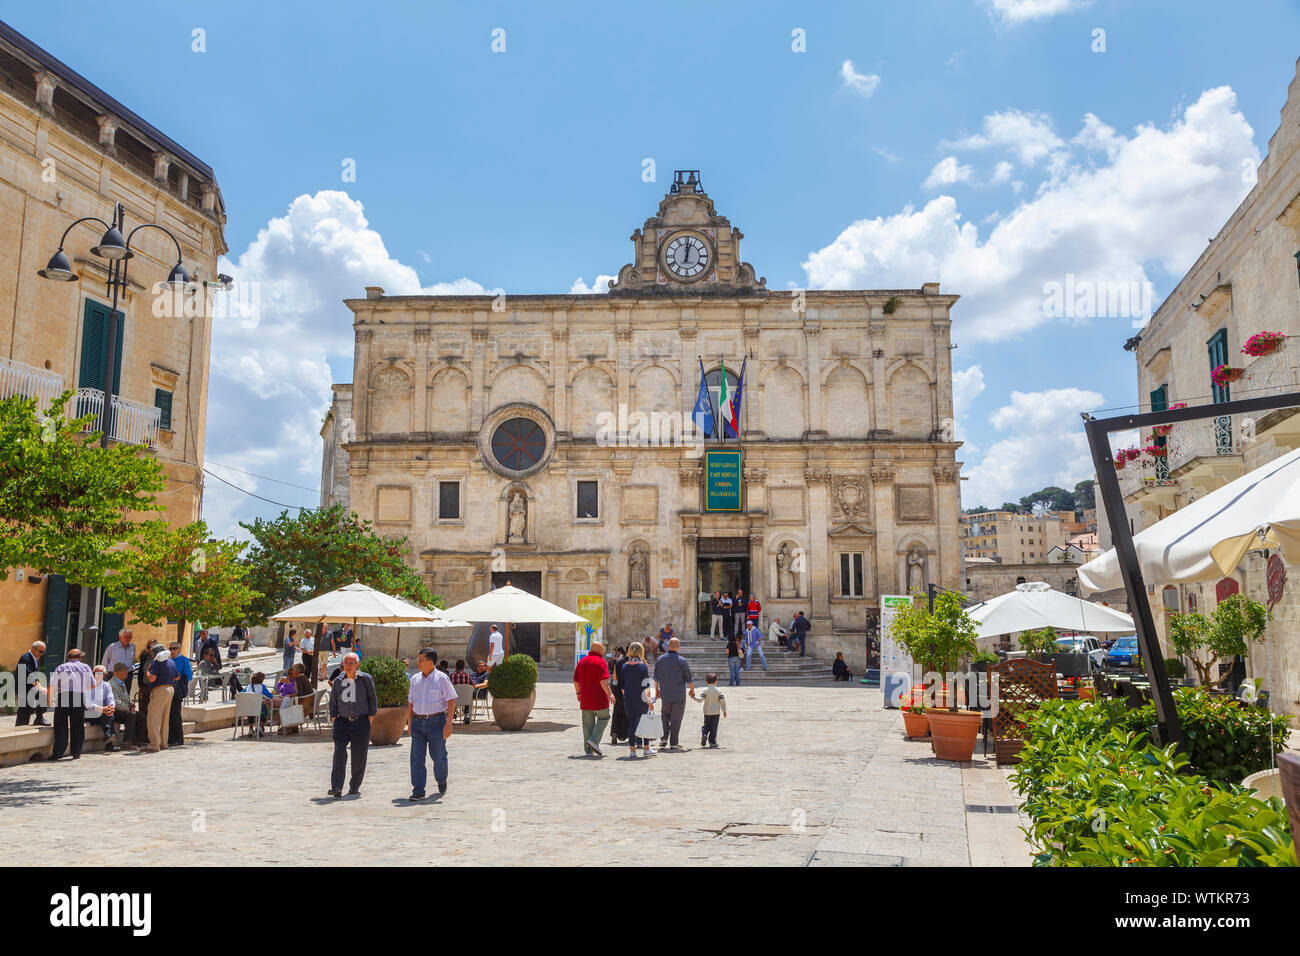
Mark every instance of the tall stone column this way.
pixel 420 398
pixel 478 369
pixel 817 574
pixel 360 386
pixel 688 363
pixel 947 517
pixel 882 498
pixel 879 384
pixel 623 342
pixel 758 565
pixel 560 371
pixel 688 586
pixel 816 412
pixel 751 415
pixel 943 377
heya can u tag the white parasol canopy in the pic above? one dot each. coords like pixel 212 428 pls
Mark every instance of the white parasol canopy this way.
pixel 438 623
pixel 511 605
pixel 356 603
pixel 1207 539
pixel 1035 605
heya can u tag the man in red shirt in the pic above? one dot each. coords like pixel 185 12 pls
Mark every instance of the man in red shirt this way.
pixel 591 684
pixel 753 610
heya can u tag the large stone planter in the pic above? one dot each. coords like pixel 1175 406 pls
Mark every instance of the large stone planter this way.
pixel 952 735
pixel 388 725
pixel 511 713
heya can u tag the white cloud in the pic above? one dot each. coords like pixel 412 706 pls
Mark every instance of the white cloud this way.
pixel 269 385
pixel 863 84
pixel 967 385
pixel 1014 12
pixel 601 284
pixel 1046 446
pixel 1029 136
pixel 1001 173
pixel 885 154
pixel 1155 201
pixel 946 172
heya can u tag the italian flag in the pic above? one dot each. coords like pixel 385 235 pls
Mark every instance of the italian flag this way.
pixel 724 405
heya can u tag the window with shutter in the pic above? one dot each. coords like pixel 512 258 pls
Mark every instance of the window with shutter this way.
pixel 162 399
pixel 94 347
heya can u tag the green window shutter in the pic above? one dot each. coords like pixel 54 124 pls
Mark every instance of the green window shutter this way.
pixel 56 611
pixel 1160 399
pixel 1218 351
pixel 163 400
pixel 94 347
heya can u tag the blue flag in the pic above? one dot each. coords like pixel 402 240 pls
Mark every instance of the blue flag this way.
pixel 732 421
pixel 703 413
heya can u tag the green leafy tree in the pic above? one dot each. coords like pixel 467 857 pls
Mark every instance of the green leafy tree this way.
pixel 295 557
pixel 1050 498
pixel 66 504
pixel 181 574
pixel 936 640
pixel 1085 495
pixel 1042 641
pixel 1226 632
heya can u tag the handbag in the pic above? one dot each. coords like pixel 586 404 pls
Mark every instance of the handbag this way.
pixel 291 714
pixel 649 727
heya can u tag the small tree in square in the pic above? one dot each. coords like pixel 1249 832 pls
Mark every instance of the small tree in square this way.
pixel 1225 633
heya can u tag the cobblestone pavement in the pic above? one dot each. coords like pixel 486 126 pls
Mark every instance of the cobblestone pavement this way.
pixel 817 775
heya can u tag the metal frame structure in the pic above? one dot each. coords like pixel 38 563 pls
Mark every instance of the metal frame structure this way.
pixel 1167 729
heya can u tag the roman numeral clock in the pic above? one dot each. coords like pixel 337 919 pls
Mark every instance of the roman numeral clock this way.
pixel 687 255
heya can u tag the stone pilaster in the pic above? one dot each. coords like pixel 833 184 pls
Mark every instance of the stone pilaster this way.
pixel 478 362
pixel 882 497
pixel 688 586
pixel 879 383
pixel 812 339
pixel 420 398
pixel 817 573
pixel 360 387
pixel 560 371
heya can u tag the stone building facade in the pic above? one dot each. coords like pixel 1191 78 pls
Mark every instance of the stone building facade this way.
pixel 1246 281
pixel 546 439
pixel 68 150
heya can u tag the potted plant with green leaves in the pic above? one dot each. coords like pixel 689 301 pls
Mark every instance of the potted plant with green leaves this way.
pixel 513 686
pixel 915 724
pixel 941 638
pixel 392 687
pixel 1225 633
pixel 1038 644
pixel 982 660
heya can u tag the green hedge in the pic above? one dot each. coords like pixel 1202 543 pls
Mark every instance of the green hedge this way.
pixel 392 686
pixel 1099 793
pixel 516 676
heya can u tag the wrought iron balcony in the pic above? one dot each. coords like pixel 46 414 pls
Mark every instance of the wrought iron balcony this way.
pixel 1272 374
pixel 132 422
pixel 1205 453
pixel 29 382
pixel 1148 480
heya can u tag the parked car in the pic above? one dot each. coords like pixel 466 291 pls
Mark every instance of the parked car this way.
pixel 1084 644
pixel 1123 653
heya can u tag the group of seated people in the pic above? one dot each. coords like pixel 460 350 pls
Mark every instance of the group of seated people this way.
pixel 292 684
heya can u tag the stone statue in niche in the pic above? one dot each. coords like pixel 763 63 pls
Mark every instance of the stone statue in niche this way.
pixel 916 569
pixel 638 573
pixel 785 573
pixel 517 521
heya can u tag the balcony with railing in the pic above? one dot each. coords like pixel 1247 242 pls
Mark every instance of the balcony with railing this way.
pixel 29 381
pixel 1147 480
pixel 1273 374
pixel 1205 453
pixel 132 422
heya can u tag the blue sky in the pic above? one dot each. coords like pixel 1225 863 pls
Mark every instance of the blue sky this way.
pixel 962 127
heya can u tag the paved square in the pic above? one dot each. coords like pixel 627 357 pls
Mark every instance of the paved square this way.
pixel 818 774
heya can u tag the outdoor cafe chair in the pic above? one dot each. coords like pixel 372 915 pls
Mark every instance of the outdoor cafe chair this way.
pixel 464 700
pixel 248 705
pixel 480 703
pixel 320 708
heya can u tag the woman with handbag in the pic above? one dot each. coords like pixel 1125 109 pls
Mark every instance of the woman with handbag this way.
pixel 638 701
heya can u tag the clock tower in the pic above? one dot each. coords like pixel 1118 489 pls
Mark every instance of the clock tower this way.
pixel 687 249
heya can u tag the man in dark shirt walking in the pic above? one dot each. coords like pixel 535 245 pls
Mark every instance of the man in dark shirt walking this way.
pixel 800 625
pixel 352 703
pixel 672 679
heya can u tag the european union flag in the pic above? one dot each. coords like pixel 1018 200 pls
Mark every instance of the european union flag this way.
pixel 703 413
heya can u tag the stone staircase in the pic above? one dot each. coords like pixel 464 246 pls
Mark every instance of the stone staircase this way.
pixel 784 668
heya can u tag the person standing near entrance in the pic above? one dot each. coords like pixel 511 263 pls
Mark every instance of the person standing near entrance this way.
pixel 753 643
pixel 353 702
pixel 32 703
pixel 591 684
pixel 753 611
pixel 161 678
pixel 672 680
pixel 70 685
pixel 715 616
pixel 430 713
pixel 496 647
pixel 728 617
pixel 740 606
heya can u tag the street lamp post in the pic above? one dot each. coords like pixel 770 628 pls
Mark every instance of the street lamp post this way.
pixel 117 250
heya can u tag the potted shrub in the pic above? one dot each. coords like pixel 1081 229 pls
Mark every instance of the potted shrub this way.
pixel 1263 343
pixel 915 723
pixel 941 639
pixel 1225 633
pixel 391 689
pixel 1040 643
pixel 1175 668
pixel 513 686
pixel 982 661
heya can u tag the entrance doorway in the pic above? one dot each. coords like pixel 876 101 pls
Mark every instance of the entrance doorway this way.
pixel 524 638
pixel 718 574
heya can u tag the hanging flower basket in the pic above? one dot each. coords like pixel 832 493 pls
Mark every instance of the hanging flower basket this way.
pixel 1223 374
pixel 1262 343
pixel 1156 451
pixel 1125 455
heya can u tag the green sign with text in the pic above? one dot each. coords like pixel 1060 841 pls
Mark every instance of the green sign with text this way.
pixel 722 479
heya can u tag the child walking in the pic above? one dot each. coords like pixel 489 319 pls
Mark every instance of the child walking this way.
pixel 715 705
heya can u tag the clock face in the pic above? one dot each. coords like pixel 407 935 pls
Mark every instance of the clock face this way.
pixel 687 256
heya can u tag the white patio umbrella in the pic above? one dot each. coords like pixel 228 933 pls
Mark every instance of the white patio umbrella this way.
pixel 1207 539
pixel 512 606
pixel 440 623
pixel 1036 605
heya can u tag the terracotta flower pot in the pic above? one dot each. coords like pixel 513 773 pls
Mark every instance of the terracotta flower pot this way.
pixel 388 724
pixel 915 725
pixel 511 713
pixel 952 735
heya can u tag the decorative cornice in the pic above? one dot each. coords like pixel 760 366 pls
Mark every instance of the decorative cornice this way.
pixel 945 474
pixel 422 334
pixel 756 474
pixel 882 474
pixel 364 335
pixel 478 335
pixel 815 476
pixel 690 476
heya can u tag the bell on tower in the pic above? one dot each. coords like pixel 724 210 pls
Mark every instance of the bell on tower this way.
pixel 686 181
